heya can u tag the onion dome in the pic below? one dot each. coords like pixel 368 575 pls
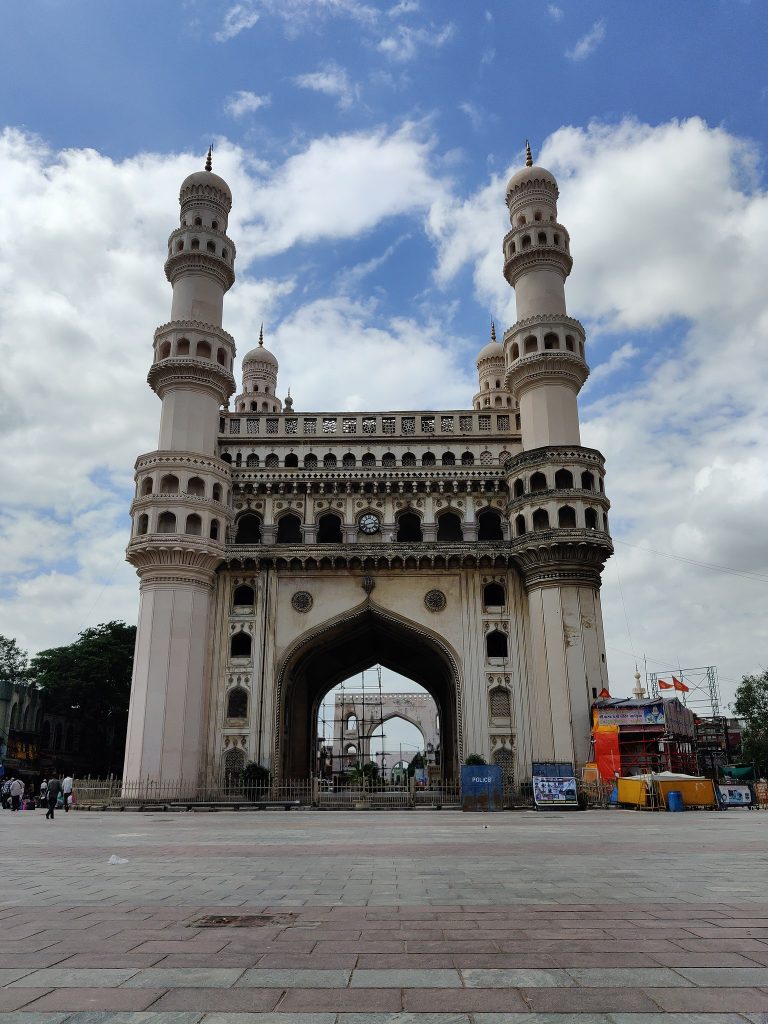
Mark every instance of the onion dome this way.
pixel 260 355
pixel 531 174
pixel 493 350
pixel 206 184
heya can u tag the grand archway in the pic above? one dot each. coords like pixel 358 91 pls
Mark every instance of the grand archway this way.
pixel 324 657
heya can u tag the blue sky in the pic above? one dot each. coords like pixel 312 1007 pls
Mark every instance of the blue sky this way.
pixel 367 145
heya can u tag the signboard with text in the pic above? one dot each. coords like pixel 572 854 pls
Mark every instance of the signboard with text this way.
pixel 554 785
pixel 649 714
pixel 481 788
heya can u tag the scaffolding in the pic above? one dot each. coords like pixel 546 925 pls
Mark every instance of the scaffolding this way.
pixel 703 696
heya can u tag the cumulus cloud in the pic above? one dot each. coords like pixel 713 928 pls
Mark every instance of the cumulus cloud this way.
pixel 405 43
pixel 243 102
pixel 667 227
pixel 238 18
pixel 331 80
pixel 588 43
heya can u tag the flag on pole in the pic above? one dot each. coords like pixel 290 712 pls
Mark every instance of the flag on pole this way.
pixel 664 685
pixel 680 686
pixel 603 694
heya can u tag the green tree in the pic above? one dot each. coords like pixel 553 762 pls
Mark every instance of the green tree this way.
pixel 91 679
pixel 751 704
pixel 14 665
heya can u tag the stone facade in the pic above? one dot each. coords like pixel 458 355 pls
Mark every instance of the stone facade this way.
pixel 281 551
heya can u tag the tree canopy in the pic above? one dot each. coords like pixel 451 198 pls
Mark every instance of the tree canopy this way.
pixel 14 663
pixel 92 677
pixel 751 704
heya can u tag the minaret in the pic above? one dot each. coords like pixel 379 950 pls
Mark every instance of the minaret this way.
pixel 259 392
pixel 182 505
pixel 557 506
pixel 493 393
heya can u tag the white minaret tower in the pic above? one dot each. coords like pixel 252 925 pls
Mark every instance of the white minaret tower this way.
pixel 558 510
pixel 182 504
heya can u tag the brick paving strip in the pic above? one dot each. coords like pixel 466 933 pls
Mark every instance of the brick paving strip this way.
pixel 403 918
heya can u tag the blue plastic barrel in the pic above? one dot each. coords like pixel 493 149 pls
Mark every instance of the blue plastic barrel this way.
pixel 675 801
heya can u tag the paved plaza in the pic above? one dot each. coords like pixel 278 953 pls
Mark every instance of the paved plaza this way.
pixel 438 917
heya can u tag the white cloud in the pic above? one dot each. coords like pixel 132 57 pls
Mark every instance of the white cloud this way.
pixel 555 12
pixel 588 43
pixel 667 228
pixel 332 80
pixel 238 18
pixel 243 102
pixel 477 117
pixel 406 42
pixel 404 7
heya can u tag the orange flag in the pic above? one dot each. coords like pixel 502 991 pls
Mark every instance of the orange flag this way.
pixel 680 686
pixel 665 686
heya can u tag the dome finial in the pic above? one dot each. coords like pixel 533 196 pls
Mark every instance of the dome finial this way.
pixel 493 330
pixel 209 159
pixel 261 335
pixel 528 154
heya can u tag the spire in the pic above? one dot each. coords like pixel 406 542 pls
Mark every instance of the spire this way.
pixel 261 335
pixel 209 159
pixel 493 330
pixel 528 154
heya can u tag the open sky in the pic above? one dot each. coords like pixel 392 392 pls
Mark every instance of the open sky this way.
pixel 367 145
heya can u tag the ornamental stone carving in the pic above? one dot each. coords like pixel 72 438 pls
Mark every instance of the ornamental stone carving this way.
pixel 302 601
pixel 435 600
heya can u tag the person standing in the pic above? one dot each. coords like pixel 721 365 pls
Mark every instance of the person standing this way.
pixel 54 788
pixel 43 793
pixel 17 792
pixel 66 789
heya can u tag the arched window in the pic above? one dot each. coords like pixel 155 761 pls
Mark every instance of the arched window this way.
pixel 506 761
pixel 499 703
pixel 521 220
pixel 581 349
pixel 519 526
pixel 214 530
pixel 496 644
pixel 566 517
pixel 489 525
pixel 329 529
pixel 195 244
pixel 428 459
pixel 590 518
pixel 14 717
pixel 349 461
pixel 248 529
pixel 166 522
pixel 142 526
pixel 216 493
pixel 557 238
pixel 526 243
pixel 494 595
pixel 226 457
pixel 518 488
pixel 289 529
pixel 211 247
pixel 515 350
pixel 243 596
pixel 237 703
pixel 563 479
pixel 203 350
pixel 272 461
pixel 351 724
pixel 169 484
pixel 409 459
pixel 215 225
pixel 252 461
pixel 551 341
pixel 449 527
pixel 291 461
pixel 165 350
pixel 194 525
pixel 448 459
pixel 541 238
pixel 180 245
pixel 329 461
pixel 196 486
pixel 408 527
pixel 569 342
pixel 198 222
pixel 467 459
pixel 182 347
pixel 537 215
pixel 240 645
pixel 587 481
pixel 310 462
pixel 541 519
pixel 368 460
pixel 388 460
pixel 538 483
pixel 221 357
pixel 234 764
pixel 350 750
pixel 530 344
pixel 239 459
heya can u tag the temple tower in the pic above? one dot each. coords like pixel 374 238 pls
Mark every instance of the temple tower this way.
pixel 181 508
pixel 557 507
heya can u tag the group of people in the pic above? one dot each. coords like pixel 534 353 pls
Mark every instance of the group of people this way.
pixel 55 794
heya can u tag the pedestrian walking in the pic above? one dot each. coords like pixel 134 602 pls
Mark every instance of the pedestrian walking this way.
pixel 43 793
pixel 54 789
pixel 17 792
pixel 66 790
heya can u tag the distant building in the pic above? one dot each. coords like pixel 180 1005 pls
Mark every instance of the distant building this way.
pixel 635 736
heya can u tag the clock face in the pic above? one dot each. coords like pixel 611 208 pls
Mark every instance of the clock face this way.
pixel 369 523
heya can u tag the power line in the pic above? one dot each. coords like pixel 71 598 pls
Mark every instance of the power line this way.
pixel 745 573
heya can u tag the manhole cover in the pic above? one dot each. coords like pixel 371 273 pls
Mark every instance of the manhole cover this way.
pixel 239 920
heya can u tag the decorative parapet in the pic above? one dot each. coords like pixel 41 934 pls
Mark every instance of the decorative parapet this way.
pixel 188 557
pixel 201 262
pixel 194 325
pixel 186 371
pixel 553 256
pixel 554 453
pixel 542 319
pixel 563 367
pixel 183 460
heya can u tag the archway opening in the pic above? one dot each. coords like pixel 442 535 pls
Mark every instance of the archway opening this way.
pixel 341 652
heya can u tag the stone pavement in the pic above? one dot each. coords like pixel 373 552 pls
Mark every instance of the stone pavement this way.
pixel 414 917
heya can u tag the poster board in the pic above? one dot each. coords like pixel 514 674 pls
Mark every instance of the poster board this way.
pixel 554 785
pixel 734 795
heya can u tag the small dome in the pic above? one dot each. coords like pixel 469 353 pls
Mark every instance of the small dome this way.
pixel 206 178
pixel 528 175
pixel 260 355
pixel 493 350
